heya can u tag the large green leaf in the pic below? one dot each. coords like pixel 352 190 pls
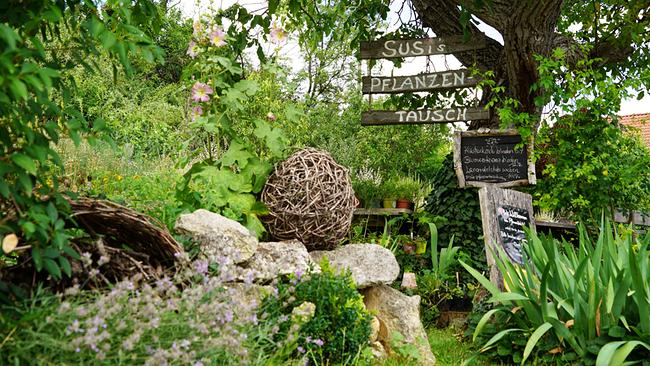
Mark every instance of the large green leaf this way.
pixel 24 162
pixel 534 338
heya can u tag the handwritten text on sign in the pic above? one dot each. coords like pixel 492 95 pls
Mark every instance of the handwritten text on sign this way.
pixel 423 116
pixel 512 221
pixel 422 82
pixel 418 47
pixel 493 159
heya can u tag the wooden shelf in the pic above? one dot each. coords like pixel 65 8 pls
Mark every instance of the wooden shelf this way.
pixel 381 211
pixel 559 225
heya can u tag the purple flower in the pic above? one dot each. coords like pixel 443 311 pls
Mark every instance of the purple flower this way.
pixel 197 111
pixel 198 363
pixel 300 349
pixel 319 342
pixel 201 266
pixel 193 49
pixel 218 37
pixel 201 92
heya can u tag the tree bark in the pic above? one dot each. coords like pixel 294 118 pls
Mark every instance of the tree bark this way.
pixel 527 27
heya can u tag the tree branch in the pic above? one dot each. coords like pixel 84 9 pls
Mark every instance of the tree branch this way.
pixel 443 17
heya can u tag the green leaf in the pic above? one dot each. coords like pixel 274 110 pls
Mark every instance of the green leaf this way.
pixel 24 162
pixel 65 266
pixel 508 296
pixel 37 257
pixel 52 268
pixel 615 353
pixel 481 279
pixel 482 322
pixel 497 337
pixel 534 338
pixel 236 153
pixel 18 88
pixel 51 253
pixel 9 35
pixel 71 252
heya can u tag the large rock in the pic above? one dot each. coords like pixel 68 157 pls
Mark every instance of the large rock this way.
pixel 274 259
pixel 398 313
pixel 370 264
pixel 220 239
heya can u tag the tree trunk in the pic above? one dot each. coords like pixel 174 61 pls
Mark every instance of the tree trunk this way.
pixel 527 27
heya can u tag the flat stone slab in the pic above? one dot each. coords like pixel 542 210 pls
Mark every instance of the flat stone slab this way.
pixel 369 264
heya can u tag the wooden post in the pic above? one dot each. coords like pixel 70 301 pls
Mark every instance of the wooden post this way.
pixel 504 214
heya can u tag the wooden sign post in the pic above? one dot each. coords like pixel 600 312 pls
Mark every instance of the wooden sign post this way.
pixel 422 116
pixel 394 48
pixel 492 158
pixel 445 80
pixel 504 214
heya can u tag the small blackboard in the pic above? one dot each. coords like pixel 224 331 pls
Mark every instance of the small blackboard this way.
pixel 512 221
pixel 504 215
pixel 492 158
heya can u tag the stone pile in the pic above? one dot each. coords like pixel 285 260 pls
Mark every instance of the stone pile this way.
pixel 372 267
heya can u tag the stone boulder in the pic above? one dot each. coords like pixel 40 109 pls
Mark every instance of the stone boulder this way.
pixel 220 239
pixel 399 313
pixel 370 264
pixel 275 259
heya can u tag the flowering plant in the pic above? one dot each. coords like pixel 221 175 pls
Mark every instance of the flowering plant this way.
pixel 228 177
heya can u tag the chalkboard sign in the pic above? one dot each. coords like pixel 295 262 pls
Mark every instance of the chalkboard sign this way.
pixel 512 221
pixel 492 158
pixel 504 215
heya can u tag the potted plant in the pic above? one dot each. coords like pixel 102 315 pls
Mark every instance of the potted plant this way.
pixel 406 189
pixel 367 184
pixel 388 193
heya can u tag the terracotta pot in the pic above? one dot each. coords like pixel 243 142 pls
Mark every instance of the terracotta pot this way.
pixel 409 248
pixel 402 203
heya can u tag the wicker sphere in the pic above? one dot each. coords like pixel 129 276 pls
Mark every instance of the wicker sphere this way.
pixel 310 198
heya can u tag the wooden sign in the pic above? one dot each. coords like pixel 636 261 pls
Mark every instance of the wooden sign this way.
pixel 504 215
pixel 400 84
pixel 422 116
pixel 394 48
pixel 482 158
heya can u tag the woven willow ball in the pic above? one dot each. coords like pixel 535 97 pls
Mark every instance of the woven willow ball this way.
pixel 310 198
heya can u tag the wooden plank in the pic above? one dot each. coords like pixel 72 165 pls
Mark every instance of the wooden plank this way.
pixel 638 218
pixel 423 116
pixel 483 158
pixel 413 83
pixel 504 214
pixel 394 48
pixel 382 211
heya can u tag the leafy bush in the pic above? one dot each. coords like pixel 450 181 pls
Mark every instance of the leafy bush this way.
pixel 340 328
pixel 37 106
pixel 582 305
pixel 591 165
pixel 458 213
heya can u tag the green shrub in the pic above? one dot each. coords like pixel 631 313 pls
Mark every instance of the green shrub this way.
pixel 458 213
pixel 340 328
pixel 584 305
